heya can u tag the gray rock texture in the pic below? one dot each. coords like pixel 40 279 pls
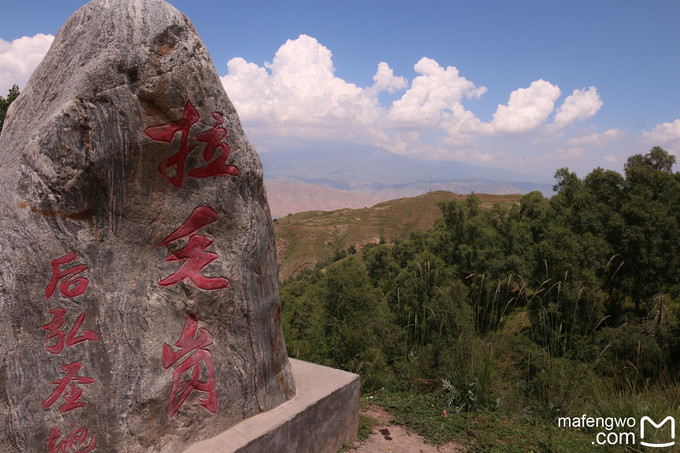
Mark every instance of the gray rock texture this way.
pixel 138 288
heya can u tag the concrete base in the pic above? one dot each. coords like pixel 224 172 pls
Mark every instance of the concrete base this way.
pixel 322 416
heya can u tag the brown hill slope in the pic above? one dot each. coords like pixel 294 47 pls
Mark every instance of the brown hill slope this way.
pixel 306 238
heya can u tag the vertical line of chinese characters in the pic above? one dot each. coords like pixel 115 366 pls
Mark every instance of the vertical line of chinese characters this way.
pixel 70 284
pixel 194 256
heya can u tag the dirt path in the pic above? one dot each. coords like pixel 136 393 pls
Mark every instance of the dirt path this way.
pixel 397 439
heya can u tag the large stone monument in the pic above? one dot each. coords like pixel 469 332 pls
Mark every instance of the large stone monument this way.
pixel 138 285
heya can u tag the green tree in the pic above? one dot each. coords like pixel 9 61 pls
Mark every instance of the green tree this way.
pixel 5 102
pixel 650 239
pixel 381 266
pixel 468 237
pixel 303 317
pixel 357 323
pixel 603 204
pixel 516 233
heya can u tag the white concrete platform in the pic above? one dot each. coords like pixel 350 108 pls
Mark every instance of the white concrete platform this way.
pixel 322 416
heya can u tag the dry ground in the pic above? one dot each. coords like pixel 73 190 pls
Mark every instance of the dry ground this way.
pixel 397 439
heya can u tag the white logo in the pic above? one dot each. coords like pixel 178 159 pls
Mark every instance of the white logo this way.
pixel 642 431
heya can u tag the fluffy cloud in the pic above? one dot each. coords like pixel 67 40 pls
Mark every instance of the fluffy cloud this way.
pixel 297 97
pixel 434 96
pixel 248 85
pixel 19 58
pixel 527 109
pixel 385 79
pixel 297 94
pixel 579 106
pixel 666 135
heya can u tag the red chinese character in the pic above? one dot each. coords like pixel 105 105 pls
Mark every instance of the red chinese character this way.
pixel 73 394
pixel 71 286
pixel 193 256
pixel 214 138
pixel 68 444
pixel 54 330
pixel 187 343
pixel 165 133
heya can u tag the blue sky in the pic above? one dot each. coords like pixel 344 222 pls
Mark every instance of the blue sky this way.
pixel 530 86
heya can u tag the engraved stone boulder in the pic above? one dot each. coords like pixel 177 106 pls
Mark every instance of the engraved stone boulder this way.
pixel 138 279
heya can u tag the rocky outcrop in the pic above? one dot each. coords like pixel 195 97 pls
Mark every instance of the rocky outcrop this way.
pixel 138 289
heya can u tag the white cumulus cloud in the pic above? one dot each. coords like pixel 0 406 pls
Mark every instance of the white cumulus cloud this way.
pixel 297 94
pixel 297 98
pixel 579 106
pixel 385 80
pixel 527 109
pixel 434 96
pixel 249 82
pixel 19 58
pixel 666 135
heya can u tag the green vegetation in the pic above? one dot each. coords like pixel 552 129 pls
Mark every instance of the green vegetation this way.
pixel 509 317
pixel 4 103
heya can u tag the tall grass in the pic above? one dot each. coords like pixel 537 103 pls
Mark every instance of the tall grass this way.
pixel 472 366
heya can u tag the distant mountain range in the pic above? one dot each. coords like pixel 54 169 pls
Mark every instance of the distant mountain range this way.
pixel 351 176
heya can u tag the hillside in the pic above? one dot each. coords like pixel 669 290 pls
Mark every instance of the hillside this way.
pixel 344 175
pixel 306 238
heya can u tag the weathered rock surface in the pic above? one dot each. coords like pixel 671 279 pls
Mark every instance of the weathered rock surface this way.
pixel 138 287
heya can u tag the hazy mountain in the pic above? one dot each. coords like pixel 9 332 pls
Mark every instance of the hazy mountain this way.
pixel 358 176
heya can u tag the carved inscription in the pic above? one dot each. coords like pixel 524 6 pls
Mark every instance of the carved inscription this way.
pixel 71 284
pixel 54 330
pixel 193 256
pixel 165 133
pixel 71 396
pixel 76 441
pixel 202 378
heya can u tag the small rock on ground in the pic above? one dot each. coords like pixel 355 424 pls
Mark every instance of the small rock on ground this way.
pixel 397 439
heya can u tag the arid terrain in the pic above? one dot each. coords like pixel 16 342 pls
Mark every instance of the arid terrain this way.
pixel 306 238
